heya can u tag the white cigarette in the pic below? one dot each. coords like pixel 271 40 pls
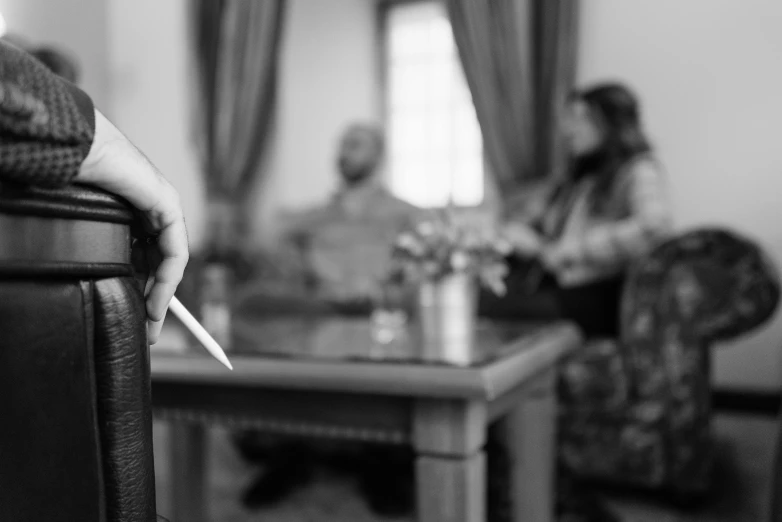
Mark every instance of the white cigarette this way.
pixel 199 332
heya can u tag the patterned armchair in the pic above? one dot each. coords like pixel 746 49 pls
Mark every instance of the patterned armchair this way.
pixel 637 410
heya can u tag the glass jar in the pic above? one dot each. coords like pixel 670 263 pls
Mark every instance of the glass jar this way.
pixel 215 303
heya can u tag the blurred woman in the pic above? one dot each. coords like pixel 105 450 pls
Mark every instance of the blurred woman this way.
pixel 570 259
pixel 611 209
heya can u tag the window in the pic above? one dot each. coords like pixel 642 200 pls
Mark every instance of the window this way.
pixel 435 147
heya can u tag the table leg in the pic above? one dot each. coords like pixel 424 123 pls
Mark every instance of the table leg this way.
pixel 188 472
pixel 529 434
pixel 448 437
pixel 451 489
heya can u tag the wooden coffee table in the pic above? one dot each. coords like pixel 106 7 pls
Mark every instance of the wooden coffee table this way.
pixel 327 378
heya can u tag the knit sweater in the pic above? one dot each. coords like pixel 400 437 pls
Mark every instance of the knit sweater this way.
pixel 46 123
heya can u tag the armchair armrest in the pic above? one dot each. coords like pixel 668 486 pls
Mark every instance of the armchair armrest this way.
pixel 714 283
pixel 700 287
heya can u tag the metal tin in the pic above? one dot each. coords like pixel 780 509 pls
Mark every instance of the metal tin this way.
pixel 447 319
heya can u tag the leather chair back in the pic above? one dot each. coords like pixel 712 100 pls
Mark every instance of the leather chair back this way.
pixel 76 441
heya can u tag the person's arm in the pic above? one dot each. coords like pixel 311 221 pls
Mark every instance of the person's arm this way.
pixel 618 242
pixel 51 135
pixel 46 124
pixel 525 230
pixel 525 240
pixel 117 166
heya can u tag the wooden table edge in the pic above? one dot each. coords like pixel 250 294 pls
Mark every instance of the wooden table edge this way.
pixel 362 377
pixel 382 378
pixel 504 376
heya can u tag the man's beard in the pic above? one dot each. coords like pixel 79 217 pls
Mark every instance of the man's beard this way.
pixel 356 176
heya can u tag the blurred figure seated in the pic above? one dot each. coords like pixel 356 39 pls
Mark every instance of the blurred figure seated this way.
pixel 345 244
pixel 610 210
pixel 337 254
pixel 577 240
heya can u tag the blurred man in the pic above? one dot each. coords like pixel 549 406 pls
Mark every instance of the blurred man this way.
pixel 346 243
pixel 346 247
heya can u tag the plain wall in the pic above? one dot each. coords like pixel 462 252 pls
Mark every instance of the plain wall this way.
pixel 708 74
pixel 151 84
pixel 78 26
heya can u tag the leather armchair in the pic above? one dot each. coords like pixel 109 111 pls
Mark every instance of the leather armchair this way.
pixel 76 442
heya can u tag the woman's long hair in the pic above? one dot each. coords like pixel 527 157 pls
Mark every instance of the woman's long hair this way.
pixel 617 112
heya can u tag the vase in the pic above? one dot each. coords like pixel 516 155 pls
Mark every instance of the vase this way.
pixel 447 310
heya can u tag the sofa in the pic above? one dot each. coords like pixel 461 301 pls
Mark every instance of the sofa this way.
pixel 637 410
pixel 76 442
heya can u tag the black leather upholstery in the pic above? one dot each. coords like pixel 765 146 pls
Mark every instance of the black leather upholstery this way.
pixel 76 436
pixel 72 202
pixel 124 398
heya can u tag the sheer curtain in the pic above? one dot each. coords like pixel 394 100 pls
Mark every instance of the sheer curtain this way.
pixel 519 57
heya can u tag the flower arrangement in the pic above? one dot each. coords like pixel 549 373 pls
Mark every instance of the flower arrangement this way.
pixel 441 246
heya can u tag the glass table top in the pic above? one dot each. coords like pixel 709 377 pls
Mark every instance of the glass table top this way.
pixel 361 339
pixel 296 327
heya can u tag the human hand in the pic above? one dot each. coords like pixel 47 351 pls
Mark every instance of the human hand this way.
pixel 524 240
pixel 554 257
pixel 117 166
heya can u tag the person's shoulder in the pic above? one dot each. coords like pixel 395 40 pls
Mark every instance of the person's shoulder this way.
pixel 398 205
pixel 20 104
pixel 301 221
pixel 643 169
pixel 403 205
pixel 35 102
pixel 643 178
pixel 642 163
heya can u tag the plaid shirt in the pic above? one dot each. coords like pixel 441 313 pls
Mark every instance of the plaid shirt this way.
pixel 599 241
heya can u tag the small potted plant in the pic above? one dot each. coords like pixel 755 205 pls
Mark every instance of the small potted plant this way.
pixel 449 260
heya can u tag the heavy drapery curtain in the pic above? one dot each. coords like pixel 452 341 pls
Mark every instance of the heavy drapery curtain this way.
pixel 519 58
pixel 236 47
